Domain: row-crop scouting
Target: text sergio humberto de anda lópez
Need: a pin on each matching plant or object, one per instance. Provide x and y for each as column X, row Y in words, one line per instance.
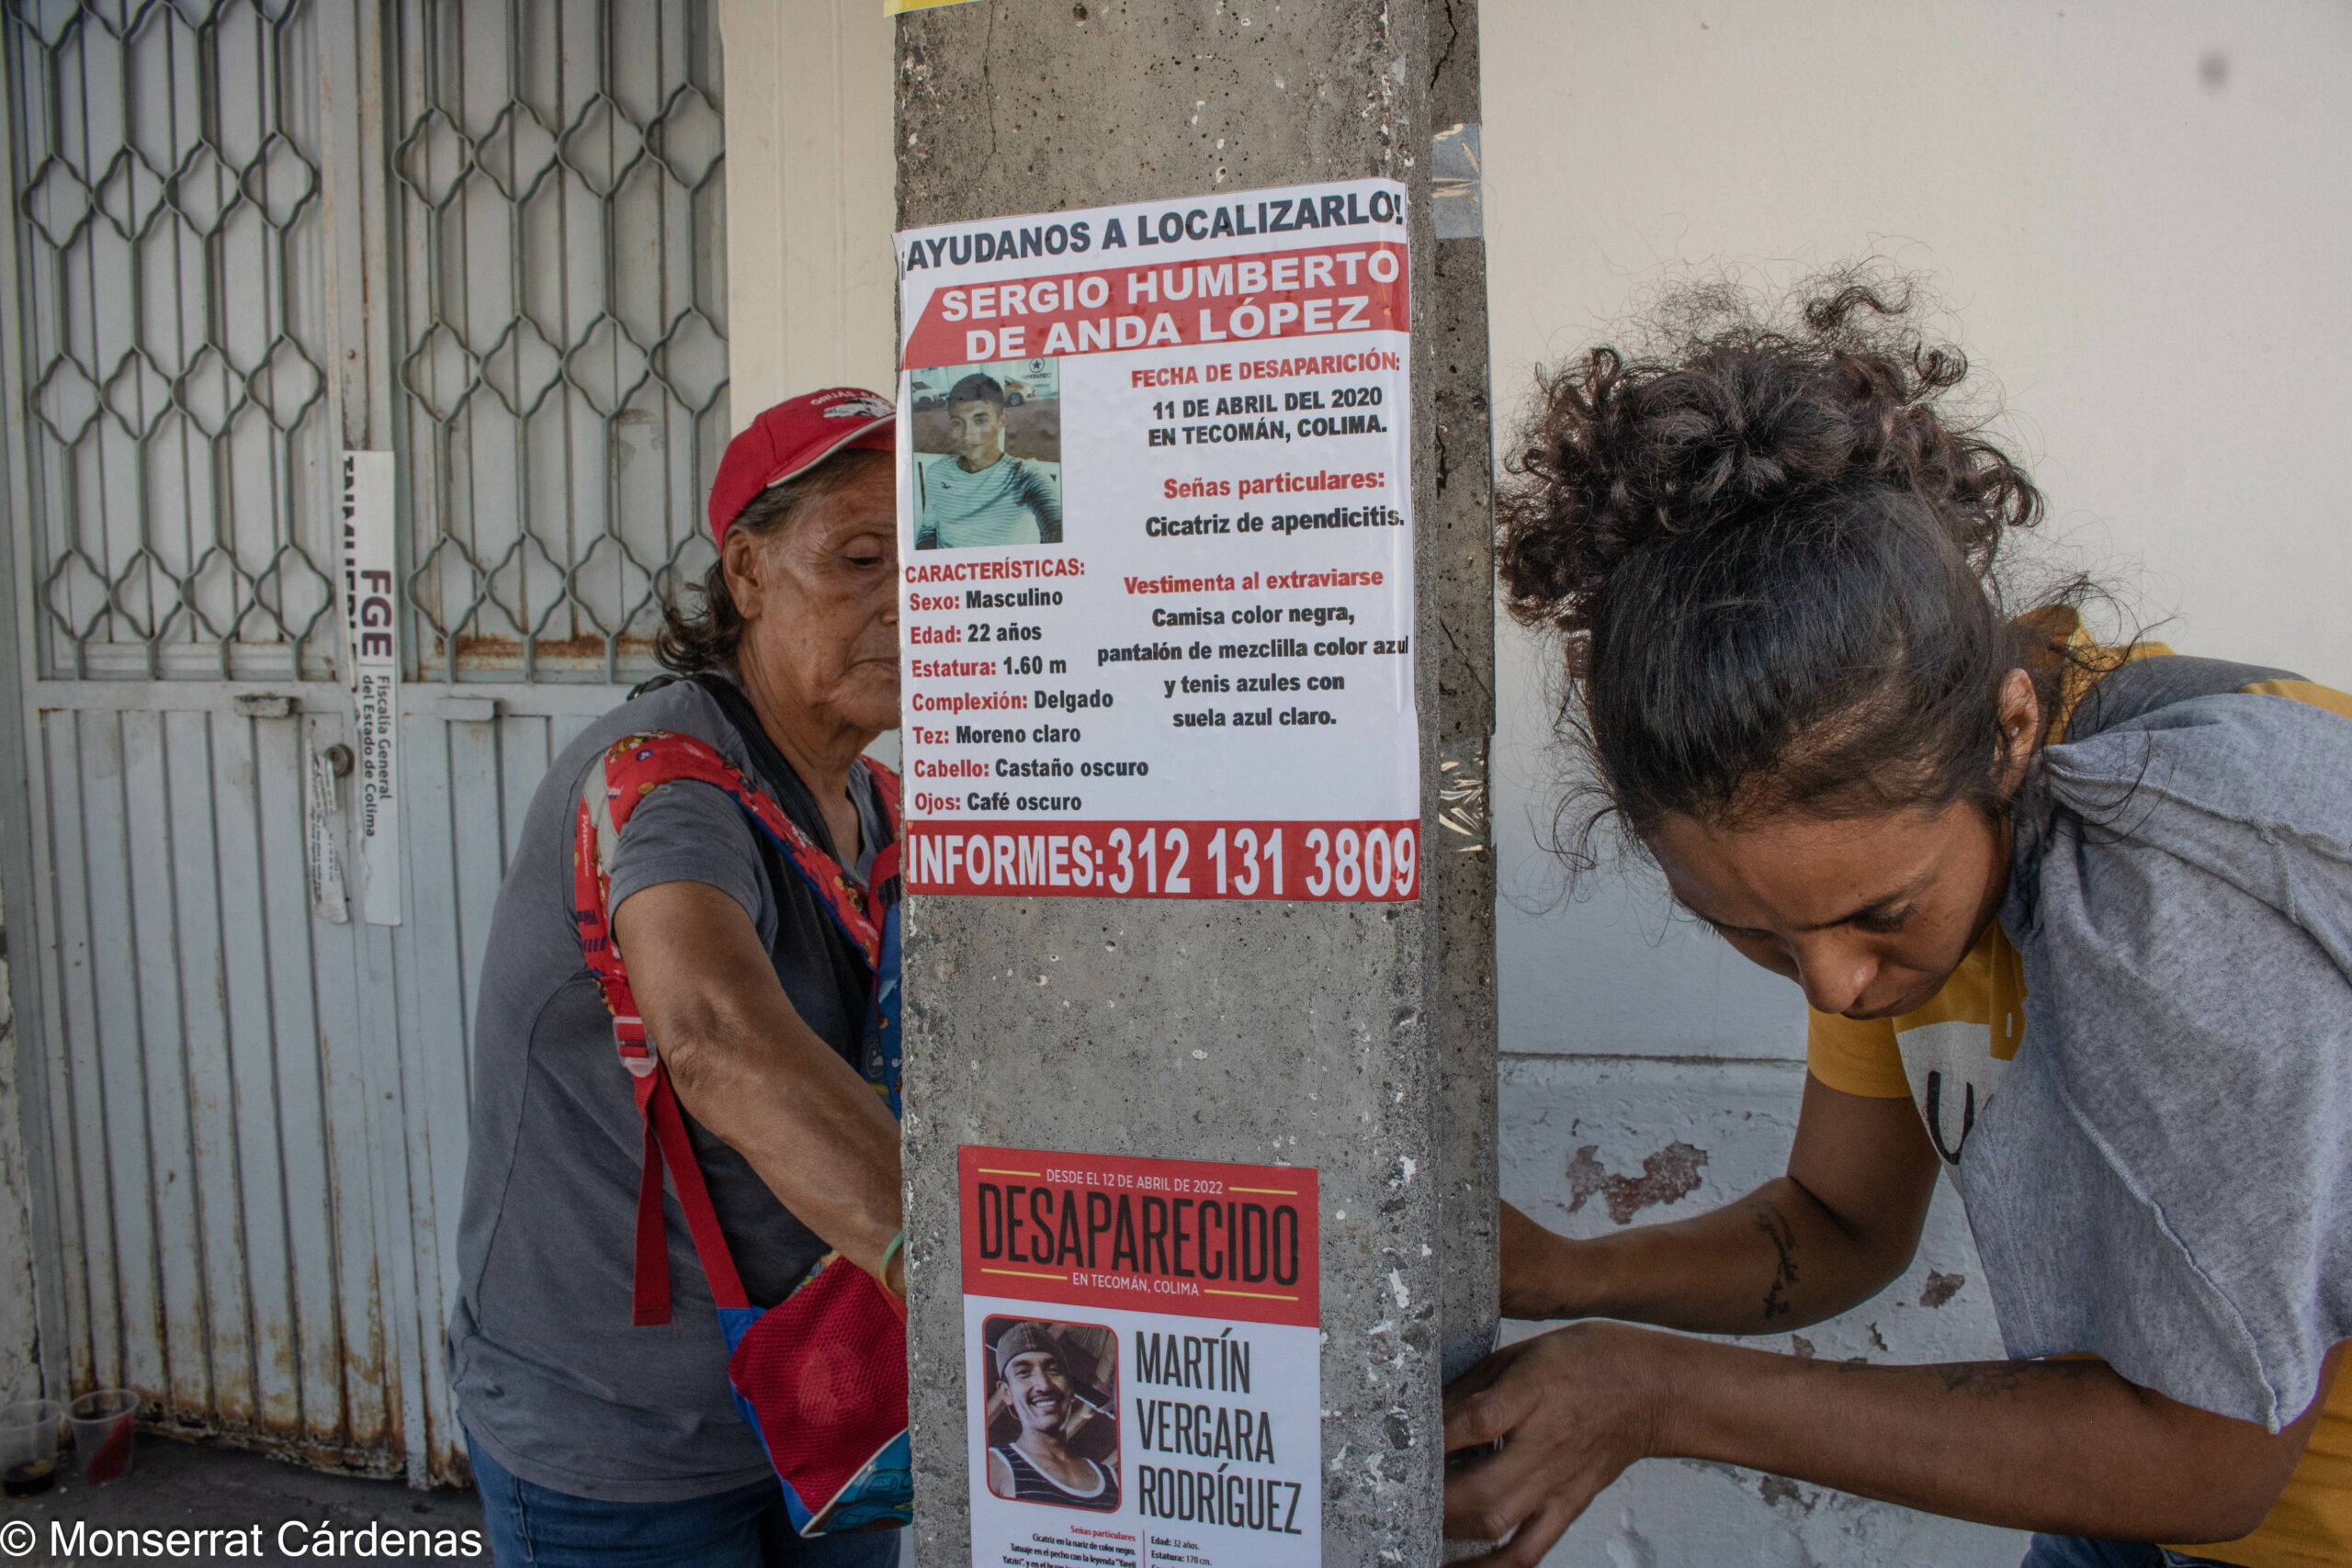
column 1154, row 513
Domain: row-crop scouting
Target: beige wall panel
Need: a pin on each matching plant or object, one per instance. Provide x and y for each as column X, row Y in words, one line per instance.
column 810, row 198
column 2137, row 213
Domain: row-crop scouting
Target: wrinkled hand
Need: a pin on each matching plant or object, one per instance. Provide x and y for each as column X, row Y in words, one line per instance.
column 1572, row 1409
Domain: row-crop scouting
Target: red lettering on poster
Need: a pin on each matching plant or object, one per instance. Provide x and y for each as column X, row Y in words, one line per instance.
column 1188, row 1237
column 1241, row 299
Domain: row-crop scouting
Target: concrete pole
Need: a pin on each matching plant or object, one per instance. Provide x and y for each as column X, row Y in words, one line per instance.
column 1357, row 1038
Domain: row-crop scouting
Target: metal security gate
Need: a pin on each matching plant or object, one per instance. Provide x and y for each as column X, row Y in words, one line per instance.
column 489, row 238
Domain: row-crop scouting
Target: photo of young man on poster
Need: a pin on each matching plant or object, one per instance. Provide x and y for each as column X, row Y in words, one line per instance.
column 1053, row 1428
column 987, row 456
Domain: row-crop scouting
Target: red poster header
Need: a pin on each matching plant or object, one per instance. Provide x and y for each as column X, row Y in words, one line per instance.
column 1346, row 288
column 1184, row 1237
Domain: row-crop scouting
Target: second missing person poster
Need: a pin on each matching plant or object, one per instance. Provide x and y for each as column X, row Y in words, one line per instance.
column 1143, row 1357
column 1157, row 550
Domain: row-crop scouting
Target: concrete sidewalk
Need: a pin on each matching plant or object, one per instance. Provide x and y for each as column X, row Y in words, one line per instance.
column 191, row 1486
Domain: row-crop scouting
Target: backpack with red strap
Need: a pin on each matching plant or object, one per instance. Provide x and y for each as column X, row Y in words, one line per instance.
column 822, row 1376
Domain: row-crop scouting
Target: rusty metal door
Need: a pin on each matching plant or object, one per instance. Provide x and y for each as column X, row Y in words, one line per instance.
column 247, row 236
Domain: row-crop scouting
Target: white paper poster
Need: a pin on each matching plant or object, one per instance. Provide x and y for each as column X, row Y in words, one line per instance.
column 371, row 642
column 1143, row 1342
column 1157, row 548
column 321, row 807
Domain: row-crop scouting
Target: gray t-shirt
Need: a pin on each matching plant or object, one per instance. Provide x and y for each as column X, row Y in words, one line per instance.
column 1011, row 502
column 2165, row 1178
column 550, row 1376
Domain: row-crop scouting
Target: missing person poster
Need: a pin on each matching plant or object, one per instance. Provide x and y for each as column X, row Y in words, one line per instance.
column 1143, row 1349
column 1155, row 534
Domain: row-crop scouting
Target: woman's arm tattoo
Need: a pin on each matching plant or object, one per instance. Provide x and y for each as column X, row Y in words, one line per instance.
column 1783, row 1237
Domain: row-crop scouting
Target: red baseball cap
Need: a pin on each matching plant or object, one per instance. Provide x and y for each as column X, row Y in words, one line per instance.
column 792, row 438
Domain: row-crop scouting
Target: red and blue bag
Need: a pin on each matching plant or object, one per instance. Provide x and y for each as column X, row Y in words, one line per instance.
column 822, row 1376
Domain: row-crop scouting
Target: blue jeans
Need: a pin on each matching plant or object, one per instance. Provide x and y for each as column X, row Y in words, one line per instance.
column 2080, row 1552
column 747, row 1527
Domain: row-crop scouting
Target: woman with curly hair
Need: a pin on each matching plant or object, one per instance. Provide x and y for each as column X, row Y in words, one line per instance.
column 2074, row 928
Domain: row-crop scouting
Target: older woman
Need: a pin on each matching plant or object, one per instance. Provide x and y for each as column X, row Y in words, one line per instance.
column 595, row 1441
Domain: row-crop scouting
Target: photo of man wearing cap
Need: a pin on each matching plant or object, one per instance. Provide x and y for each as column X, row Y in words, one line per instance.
column 1045, row 1460
column 978, row 493
column 593, row 1439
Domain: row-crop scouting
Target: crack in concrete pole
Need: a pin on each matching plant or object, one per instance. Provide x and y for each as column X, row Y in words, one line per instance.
column 1357, row 1039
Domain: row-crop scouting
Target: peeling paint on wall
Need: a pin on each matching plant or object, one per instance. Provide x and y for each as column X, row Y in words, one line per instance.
column 1941, row 1288
column 1671, row 1173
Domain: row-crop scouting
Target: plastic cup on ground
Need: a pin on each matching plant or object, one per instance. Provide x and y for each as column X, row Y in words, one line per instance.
column 103, row 1425
column 28, row 1447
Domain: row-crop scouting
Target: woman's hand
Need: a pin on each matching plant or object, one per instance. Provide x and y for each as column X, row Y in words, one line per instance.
column 1571, row 1408
column 2066, row 1447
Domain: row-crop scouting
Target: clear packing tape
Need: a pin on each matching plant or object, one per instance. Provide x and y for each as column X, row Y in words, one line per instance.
column 1461, row 797
column 1457, row 199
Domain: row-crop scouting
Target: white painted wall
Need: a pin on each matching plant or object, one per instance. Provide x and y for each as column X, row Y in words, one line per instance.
column 2138, row 215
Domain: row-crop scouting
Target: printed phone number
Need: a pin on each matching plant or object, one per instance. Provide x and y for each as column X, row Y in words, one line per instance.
column 1148, row 859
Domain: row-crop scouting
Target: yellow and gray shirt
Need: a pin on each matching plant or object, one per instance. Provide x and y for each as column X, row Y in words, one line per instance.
column 1951, row 1055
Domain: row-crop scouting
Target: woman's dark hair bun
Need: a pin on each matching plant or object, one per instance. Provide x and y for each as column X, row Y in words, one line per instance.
column 1726, row 417
column 1766, row 541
